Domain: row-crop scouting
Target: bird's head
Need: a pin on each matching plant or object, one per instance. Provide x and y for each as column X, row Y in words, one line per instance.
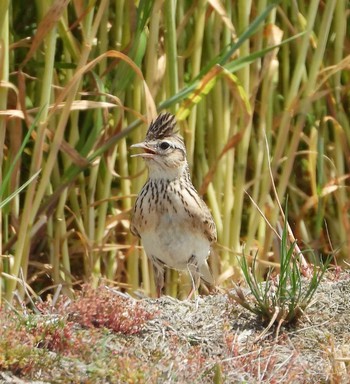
column 163, row 150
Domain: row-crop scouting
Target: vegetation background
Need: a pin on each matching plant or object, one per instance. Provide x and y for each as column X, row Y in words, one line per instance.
column 261, row 93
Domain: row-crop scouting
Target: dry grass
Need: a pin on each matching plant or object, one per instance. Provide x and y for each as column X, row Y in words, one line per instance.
column 207, row 340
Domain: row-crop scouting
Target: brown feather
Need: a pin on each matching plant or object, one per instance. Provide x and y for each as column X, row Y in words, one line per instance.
column 162, row 127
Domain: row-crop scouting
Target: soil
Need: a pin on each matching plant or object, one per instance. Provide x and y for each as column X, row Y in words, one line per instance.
column 209, row 339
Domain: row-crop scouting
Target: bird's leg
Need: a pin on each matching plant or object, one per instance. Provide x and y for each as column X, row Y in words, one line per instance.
column 195, row 285
column 158, row 273
column 159, row 280
column 195, row 277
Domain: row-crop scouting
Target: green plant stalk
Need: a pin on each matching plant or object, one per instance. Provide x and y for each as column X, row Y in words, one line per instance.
column 152, row 49
column 245, row 35
column 54, row 250
column 134, row 257
column 103, row 39
column 310, row 86
column 261, row 170
column 80, row 212
column 102, row 210
column 211, row 49
column 320, row 181
column 111, row 264
column 225, row 128
column 295, row 84
column 265, row 127
column 285, row 71
column 220, row 136
column 170, row 48
column 124, row 155
column 71, row 55
column 95, row 260
column 117, row 28
column 211, row 136
column 124, row 75
column 13, row 194
column 137, row 254
column 61, row 241
column 340, row 27
column 340, row 34
column 22, row 245
column 314, row 158
column 267, row 74
column 96, row 218
column 341, row 195
column 4, row 71
column 6, row 266
column 10, row 170
column 201, row 163
column 227, row 187
column 195, row 64
column 122, row 39
column 17, row 191
column 69, row 42
column 4, row 74
column 232, row 67
column 242, row 151
column 228, row 203
column 172, row 285
column 90, row 33
column 203, row 170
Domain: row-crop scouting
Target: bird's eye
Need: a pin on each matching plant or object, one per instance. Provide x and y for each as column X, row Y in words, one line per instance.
column 164, row 145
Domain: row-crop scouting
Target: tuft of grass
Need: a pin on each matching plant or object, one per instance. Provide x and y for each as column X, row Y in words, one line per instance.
column 283, row 297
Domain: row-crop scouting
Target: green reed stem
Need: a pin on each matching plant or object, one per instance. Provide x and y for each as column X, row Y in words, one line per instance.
column 171, row 47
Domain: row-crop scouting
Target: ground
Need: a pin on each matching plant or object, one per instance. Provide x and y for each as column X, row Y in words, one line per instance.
column 109, row 337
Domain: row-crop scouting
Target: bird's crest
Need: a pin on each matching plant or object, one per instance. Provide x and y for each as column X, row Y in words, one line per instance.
column 163, row 126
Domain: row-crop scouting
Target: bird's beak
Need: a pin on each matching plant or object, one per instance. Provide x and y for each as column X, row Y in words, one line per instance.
column 148, row 151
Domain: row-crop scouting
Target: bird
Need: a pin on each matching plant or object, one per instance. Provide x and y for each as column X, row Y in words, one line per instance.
column 175, row 225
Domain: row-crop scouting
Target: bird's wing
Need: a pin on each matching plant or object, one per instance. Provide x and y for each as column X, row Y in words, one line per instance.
column 133, row 229
column 200, row 214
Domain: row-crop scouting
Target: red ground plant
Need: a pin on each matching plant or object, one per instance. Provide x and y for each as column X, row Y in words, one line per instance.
column 105, row 308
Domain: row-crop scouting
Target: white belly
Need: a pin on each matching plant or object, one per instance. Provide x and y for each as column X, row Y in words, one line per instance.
column 174, row 242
